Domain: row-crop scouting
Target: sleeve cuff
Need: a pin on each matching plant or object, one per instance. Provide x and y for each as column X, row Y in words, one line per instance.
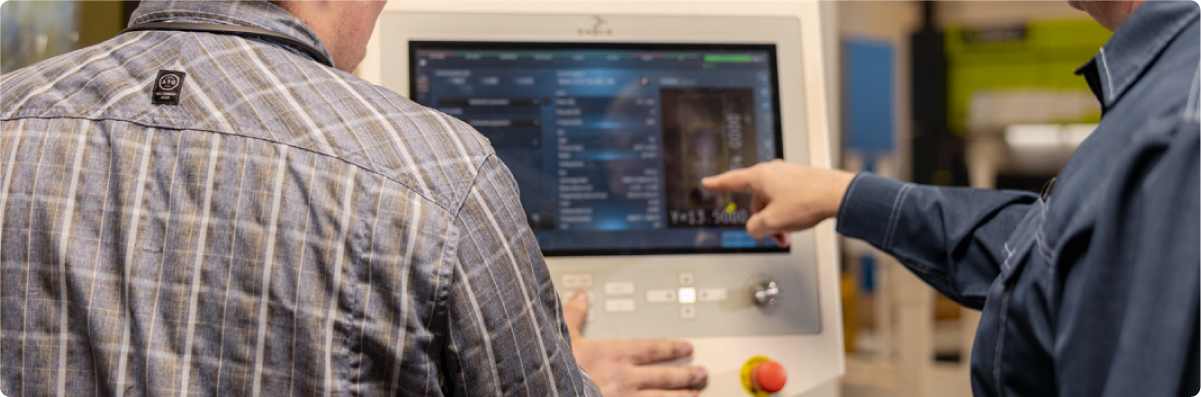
column 870, row 208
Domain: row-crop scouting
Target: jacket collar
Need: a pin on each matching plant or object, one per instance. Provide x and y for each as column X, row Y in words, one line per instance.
column 256, row 14
column 1134, row 46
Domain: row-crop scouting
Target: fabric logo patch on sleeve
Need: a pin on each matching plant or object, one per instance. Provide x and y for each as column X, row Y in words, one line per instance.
column 167, row 86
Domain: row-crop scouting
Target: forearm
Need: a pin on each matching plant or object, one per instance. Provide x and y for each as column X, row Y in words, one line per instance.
column 953, row 238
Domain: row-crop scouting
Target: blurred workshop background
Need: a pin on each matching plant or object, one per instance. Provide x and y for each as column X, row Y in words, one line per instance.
column 966, row 93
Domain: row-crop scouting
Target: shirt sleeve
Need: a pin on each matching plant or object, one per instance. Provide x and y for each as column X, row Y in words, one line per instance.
column 951, row 237
column 505, row 323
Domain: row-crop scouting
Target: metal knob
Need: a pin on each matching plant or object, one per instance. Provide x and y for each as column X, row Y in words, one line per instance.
column 765, row 293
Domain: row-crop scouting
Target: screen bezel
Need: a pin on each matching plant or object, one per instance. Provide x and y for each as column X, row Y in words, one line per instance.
column 773, row 72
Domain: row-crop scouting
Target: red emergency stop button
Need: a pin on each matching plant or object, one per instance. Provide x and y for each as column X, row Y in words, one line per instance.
column 769, row 376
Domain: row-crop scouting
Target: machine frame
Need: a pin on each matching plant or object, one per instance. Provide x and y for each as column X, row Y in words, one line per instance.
column 813, row 361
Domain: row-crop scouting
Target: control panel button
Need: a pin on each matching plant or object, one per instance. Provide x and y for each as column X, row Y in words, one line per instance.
column 712, row 294
column 769, row 376
column 687, row 295
column 685, row 278
column 687, row 311
column 576, row 281
column 619, row 305
column 660, row 295
column 619, row 288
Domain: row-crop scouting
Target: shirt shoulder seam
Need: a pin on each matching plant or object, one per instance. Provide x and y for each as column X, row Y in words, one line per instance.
column 229, row 134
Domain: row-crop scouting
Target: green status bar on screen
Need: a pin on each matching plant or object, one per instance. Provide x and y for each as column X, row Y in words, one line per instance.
column 740, row 58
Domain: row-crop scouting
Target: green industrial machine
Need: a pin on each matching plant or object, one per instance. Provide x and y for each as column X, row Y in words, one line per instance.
column 1037, row 57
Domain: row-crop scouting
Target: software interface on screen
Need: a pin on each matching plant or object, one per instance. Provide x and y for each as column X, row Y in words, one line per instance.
column 609, row 142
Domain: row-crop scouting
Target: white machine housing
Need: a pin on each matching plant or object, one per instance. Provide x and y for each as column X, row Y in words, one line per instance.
column 813, row 359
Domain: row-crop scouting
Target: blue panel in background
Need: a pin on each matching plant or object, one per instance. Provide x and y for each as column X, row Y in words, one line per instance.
column 868, row 97
column 867, row 273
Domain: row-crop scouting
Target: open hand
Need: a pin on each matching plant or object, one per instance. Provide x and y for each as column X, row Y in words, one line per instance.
column 620, row 368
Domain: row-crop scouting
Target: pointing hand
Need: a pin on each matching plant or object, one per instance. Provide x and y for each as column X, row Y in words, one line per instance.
column 787, row 197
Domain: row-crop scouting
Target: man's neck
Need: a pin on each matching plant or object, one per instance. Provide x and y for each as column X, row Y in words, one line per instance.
column 1109, row 14
column 343, row 26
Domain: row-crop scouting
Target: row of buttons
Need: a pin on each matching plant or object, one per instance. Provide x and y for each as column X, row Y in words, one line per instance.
column 627, row 305
column 584, row 280
column 686, row 294
column 623, row 288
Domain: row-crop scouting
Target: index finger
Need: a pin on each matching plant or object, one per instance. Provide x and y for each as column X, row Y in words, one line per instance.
column 652, row 351
column 739, row 179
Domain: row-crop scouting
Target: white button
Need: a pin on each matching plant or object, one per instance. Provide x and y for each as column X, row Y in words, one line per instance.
column 619, row 305
column 685, row 278
column 687, row 295
column 577, row 280
column 687, row 311
column 711, row 294
column 660, row 295
column 619, row 288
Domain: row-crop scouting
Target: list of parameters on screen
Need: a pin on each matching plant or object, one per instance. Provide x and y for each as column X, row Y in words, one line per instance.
column 608, row 161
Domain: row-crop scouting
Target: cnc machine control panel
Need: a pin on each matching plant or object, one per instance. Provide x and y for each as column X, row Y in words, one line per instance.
column 608, row 143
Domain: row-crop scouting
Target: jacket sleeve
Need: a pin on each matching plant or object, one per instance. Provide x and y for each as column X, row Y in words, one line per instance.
column 951, row 237
column 505, row 323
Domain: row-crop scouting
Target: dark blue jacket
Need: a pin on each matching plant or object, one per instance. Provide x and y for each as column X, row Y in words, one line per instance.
column 1092, row 290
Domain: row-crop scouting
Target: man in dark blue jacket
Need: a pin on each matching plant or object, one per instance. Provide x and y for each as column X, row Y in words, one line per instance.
column 1088, row 290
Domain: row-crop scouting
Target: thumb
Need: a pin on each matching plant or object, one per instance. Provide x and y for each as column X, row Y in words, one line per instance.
column 737, row 180
column 575, row 311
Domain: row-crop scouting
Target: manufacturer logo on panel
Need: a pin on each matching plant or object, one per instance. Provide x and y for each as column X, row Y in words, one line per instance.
column 599, row 28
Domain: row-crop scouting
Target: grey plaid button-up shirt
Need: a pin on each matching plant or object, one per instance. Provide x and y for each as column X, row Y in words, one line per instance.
column 286, row 229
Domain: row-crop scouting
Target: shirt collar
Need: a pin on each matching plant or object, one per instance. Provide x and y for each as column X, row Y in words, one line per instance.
column 256, row 14
column 1134, row 46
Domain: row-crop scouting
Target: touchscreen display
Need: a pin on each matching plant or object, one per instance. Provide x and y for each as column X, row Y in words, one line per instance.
column 609, row 142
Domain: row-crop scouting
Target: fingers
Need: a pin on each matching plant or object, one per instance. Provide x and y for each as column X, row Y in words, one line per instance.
column 652, row 351
column 666, row 393
column 575, row 310
column 765, row 223
column 671, row 377
column 737, row 180
column 781, row 239
column 757, row 203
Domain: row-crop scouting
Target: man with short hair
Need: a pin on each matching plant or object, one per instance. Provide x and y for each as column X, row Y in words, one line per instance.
column 1089, row 290
column 212, row 204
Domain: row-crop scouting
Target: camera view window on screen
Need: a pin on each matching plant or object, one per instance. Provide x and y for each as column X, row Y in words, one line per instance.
column 609, row 142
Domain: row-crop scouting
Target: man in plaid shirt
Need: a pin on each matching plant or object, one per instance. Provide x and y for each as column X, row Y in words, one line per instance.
column 203, row 212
